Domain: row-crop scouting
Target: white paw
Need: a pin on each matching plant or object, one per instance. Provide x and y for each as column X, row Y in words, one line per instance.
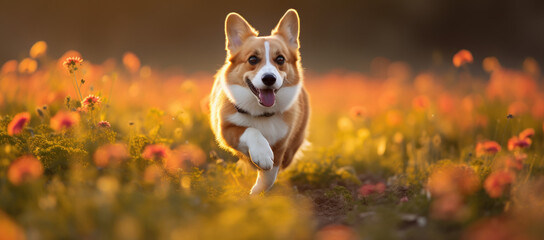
column 265, row 180
column 262, row 156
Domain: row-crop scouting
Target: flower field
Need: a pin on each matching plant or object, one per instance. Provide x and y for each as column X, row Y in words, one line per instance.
column 120, row 150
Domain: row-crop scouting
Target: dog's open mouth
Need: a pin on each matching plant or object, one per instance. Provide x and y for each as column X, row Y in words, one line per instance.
column 267, row 97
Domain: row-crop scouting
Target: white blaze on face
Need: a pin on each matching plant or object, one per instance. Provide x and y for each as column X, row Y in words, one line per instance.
column 268, row 68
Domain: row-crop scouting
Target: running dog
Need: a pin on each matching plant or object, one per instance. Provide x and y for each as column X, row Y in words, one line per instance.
column 259, row 107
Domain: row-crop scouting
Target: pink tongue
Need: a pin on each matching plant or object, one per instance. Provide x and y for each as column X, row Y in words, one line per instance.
column 267, row 97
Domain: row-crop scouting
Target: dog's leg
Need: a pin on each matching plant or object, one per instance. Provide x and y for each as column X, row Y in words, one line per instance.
column 265, row 180
column 256, row 146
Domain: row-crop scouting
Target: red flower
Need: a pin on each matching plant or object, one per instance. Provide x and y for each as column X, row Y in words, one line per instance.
column 90, row 101
column 155, row 152
column 25, row 168
column 104, row 124
column 462, row 57
column 496, row 183
column 516, row 142
column 369, row 189
column 64, row 120
column 487, row 147
column 18, row 123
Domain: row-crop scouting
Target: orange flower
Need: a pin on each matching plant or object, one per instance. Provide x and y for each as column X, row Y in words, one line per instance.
column 23, row 169
column 131, row 62
column 71, row 63
column 111, row 154
column 358, row 112
column 462, row 57
column 369, row 189
column 393, row 118
column 155, row 152
column 64, row 120
column 515, row 142
column 28, row 65
column 9, row 228
column 527, row 133
column 421, row 103
column 497, row 228
column 184, row 156
column 336, row 232
column 18, row 123
column 90, row 101
column 38, row 49
column 152, row 174
column 487, row 147
column 491, row 64
column 9, row 67
column 516, row 162
column 450, row 206
column 453, row 179
column 496, row 183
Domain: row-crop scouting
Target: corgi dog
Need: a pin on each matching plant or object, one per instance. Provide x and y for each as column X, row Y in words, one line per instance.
column 259, row 108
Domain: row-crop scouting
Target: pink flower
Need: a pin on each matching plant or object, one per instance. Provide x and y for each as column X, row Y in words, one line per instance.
column 90, row 101
column 104, row 124
column 72, row 62
column 64, row 120
column 369, row 189
column 155, row 152
column 18, row 123
column 25, row 168
column 487, row 147
column 404, row 199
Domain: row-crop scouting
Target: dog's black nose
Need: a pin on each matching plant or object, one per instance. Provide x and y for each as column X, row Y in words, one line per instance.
column 269, row 79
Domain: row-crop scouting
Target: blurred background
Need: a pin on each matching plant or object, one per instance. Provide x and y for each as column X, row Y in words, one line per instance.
column 188, row 34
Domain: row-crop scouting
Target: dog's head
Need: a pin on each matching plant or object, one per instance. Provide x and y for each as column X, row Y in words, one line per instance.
column 262, row 73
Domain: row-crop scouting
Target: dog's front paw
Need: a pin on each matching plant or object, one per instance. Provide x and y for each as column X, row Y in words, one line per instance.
column 262, row 156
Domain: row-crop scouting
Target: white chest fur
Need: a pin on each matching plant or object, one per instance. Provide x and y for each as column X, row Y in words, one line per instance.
column 272, row 128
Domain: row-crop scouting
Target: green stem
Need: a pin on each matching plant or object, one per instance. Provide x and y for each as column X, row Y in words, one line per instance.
column 77, row 88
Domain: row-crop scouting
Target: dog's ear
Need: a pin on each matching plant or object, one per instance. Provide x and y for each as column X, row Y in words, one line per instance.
column 237, row 29
column 288, row 28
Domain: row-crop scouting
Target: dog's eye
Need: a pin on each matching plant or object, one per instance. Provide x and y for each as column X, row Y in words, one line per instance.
column 253, row 60
column 280, row 60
